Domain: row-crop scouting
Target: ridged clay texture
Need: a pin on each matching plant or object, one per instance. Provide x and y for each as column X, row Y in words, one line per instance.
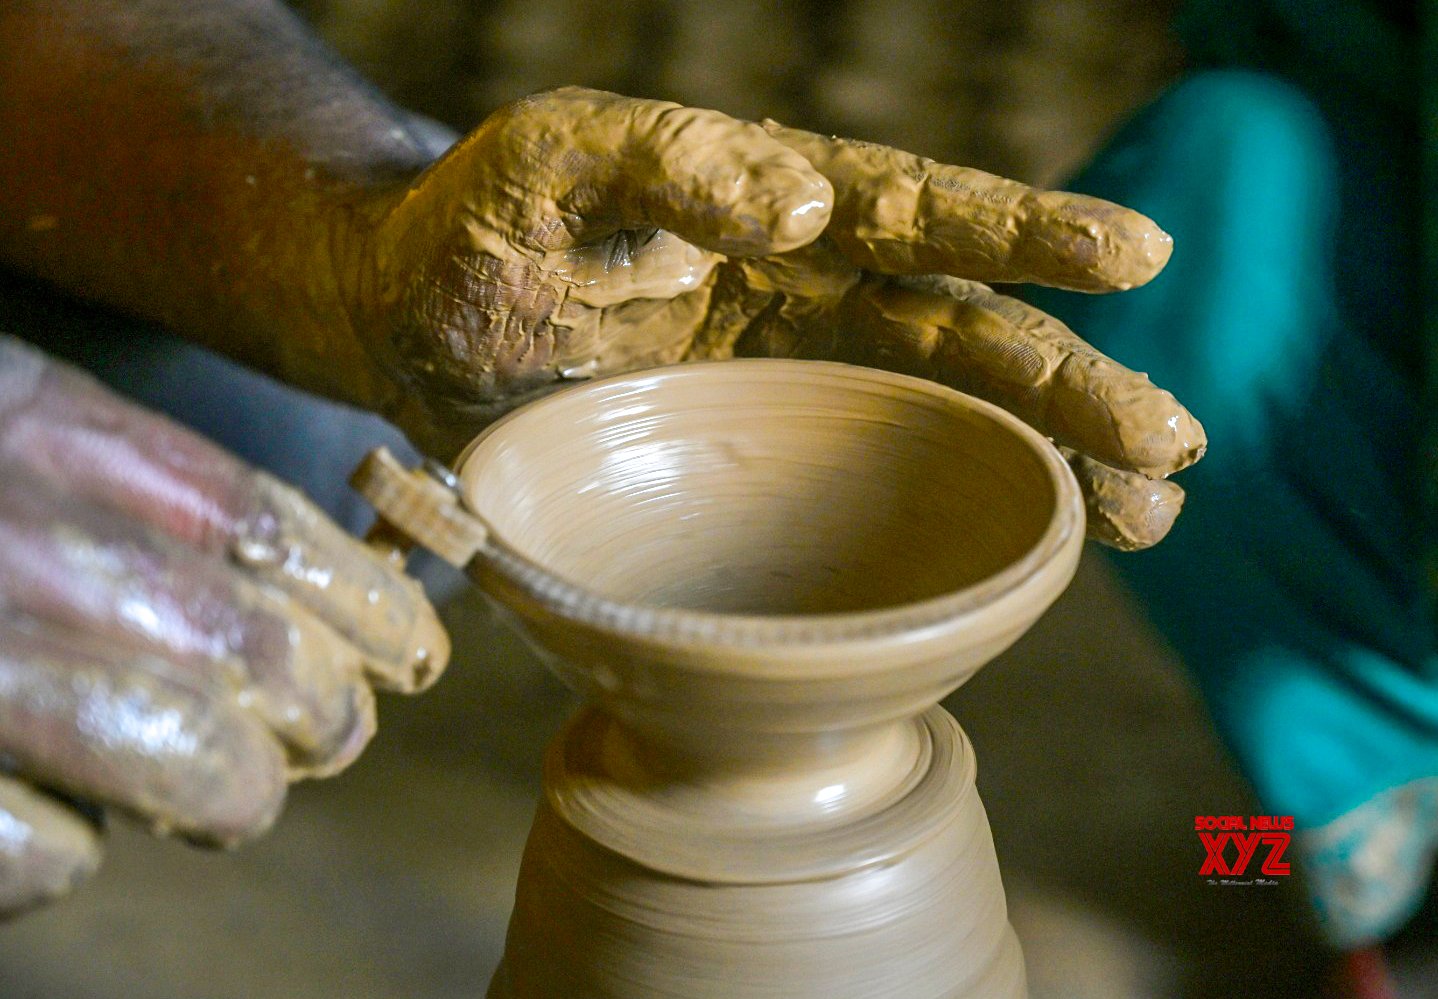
column 765, row 574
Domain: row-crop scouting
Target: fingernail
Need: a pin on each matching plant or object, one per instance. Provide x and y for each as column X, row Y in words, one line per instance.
column 1155, row 246
column 1165, row 446
column 325, row 712
column 1131, row 522
column 1143, row 251
column 801, row 216
column 1167, row 505
column 348, row 739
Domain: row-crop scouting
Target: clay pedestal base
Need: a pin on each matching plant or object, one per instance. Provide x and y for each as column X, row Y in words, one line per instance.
column 898, row 899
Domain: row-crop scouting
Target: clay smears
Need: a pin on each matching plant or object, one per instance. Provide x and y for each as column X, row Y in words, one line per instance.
column 287, row 542
column 138, row 733
column 76, row 439
column 898, row 213
column 88, row 570
column 1126, row 510
column 45, row 848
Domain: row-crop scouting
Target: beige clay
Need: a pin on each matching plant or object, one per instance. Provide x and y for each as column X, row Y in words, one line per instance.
column 575, row 235
column 897, row 213
column 1126, row 510
column 289, row 545
column 45, row 847
column 764, row 575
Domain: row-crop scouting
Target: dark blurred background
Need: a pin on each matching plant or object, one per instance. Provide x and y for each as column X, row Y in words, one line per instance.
column 1026, row 88
column 395, row 879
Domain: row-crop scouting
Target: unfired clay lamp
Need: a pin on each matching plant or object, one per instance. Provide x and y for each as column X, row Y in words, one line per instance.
column 763, row 575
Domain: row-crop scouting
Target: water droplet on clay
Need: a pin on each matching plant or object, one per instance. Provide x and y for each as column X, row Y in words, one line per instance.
column 580, row 371
column 251, row 551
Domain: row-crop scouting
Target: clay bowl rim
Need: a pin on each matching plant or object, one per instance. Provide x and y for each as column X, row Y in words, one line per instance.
column 576, row 603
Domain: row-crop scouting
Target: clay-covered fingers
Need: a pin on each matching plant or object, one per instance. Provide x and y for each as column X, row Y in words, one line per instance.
column 46, row 848
column 572, row 165
column 897, row 213
column 284, row 540
column 61, row 428
column 180, row 636
column 998, row 348
column 111, row 724
column 94, row 572
column 1125, row 510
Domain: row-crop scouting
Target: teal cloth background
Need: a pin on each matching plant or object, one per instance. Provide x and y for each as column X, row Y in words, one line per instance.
column 1292, row 583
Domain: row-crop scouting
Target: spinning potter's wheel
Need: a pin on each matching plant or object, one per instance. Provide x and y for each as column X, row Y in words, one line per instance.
column 763, row 575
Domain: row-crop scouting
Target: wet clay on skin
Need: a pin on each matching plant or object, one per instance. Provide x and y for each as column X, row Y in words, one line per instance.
column 782, row 566
column 180, row 637
column 61, row 429
column 135, row 731
column 45, row 848
column 84, row 569
column 811, row 303
column 548, row 281
column 897, row 213
column 1126, row 510
column 230, row 181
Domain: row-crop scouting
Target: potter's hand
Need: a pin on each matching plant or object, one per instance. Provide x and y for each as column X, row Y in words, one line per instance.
column 179, row 634
column 579, row 233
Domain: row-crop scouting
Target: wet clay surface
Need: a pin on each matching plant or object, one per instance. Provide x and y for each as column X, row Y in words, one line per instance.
column 931, row 923
column 180, row 636
column 45, row 848
column 783, row 565
column 709, row 489
column 725, row 545
column 61, row 429
column 574, row 233
column 542, row 285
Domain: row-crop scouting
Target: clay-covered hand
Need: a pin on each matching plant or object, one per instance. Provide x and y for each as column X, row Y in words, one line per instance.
column 180, row 635
column 578, row 233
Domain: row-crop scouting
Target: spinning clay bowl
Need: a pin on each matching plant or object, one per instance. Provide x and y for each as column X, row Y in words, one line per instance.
column 734, row 556
column 764, row 575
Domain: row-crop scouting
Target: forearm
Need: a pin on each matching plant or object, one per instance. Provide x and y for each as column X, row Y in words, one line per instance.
column 198, row 163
